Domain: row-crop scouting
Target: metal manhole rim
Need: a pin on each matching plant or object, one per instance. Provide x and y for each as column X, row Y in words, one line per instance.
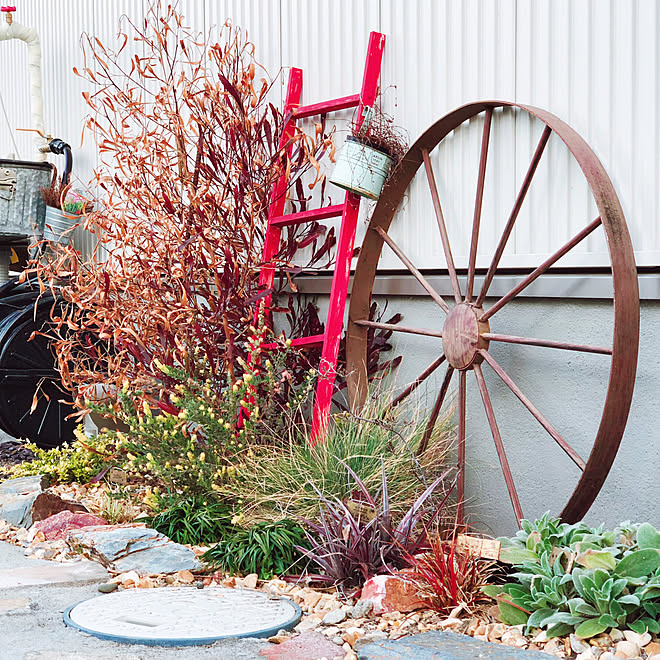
column 185, row 641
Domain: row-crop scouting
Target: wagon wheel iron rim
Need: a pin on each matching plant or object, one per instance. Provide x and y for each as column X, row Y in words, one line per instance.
column 468, row 318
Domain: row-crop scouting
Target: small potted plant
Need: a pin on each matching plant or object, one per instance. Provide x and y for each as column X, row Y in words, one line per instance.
column 64, row 208
column 369, row 154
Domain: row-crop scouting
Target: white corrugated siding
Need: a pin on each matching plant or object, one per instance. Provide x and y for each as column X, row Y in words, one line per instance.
column 591, row 62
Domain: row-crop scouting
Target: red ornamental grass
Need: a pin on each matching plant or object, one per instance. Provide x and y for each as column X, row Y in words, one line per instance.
column 449, row 576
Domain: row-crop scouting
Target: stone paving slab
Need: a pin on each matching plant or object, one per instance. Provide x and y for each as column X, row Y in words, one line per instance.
column 439, row 645
column 25, row 571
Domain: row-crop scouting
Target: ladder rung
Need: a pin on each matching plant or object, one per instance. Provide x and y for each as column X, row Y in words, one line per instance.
column 307, row 216
column 299, row 342
column 327, row 106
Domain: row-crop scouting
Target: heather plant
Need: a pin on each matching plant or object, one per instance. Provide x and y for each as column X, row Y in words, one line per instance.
column 190, row 149
column 573, row 578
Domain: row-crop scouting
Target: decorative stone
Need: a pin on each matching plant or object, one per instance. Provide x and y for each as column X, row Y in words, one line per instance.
column 601, row 641
column 589, row 654
column 389, row 593
column 626, row 649
column 640, row 640
column 334, row 617
column 652, row 649
column 439, row 645
column 108, row 587
column 308, row 646
column 369, row 638
column 23, row 509
column 139, row 549
column 361, row 609
column 57, row 526
column 24, row 485
column 250, row 581
column 311, row 599
column 307, row 624
column 185, row 576
column 578, row 645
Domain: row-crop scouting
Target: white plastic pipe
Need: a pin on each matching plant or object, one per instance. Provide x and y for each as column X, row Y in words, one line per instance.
column 15, row 30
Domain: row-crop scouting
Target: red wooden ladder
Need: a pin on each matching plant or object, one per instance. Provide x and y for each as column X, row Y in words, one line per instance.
column 349, row 215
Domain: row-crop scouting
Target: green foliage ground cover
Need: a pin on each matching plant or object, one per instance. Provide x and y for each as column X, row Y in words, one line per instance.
column 575, row 578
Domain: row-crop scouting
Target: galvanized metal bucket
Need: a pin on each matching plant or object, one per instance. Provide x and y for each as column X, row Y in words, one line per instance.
column 57, row 225
column 22, row 209
column 361, row 169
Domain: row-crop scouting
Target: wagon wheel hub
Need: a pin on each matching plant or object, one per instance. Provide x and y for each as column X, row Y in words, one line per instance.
column 461, row 336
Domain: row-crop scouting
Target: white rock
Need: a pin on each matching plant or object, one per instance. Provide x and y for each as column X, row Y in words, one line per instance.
column 578, row 645
column 627, row 649
column 586, row 655
column 334, row 617
column 640, row 640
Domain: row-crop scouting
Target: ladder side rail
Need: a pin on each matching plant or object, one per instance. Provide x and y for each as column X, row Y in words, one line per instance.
column 279, row 194
column 339, row 290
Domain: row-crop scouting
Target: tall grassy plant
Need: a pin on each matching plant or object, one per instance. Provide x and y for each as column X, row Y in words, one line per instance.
column 289, row 477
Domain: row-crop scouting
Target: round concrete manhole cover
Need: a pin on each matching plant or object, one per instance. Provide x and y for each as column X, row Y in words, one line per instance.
column 182, row 616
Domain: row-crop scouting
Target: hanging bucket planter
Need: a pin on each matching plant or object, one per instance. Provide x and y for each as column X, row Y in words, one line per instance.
column 57, row 225
column 361, row 169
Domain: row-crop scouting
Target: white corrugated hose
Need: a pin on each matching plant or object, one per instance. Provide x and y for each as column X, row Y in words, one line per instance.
column 13, row 30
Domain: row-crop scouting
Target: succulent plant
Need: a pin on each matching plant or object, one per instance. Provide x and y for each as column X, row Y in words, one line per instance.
column 573, row 578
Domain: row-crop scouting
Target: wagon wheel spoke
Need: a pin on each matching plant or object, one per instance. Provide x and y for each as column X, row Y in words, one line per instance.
column 398, row 328
column 531, row 170
column 460, row 483
column 419, row 380
column 436, row 411
column 547, row 343
column 437, row 207
column 410, row 266
column 542, row 268
column 476, row 221
column 499, row 446
column 554, row 434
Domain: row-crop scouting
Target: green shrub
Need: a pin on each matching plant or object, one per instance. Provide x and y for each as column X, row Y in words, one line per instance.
column 266, row 548
column 195, row 520
column 194, row 441
column 80, row 461
column 574, row 578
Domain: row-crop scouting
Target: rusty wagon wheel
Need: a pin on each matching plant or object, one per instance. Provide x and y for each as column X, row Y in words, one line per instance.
column 471, row 329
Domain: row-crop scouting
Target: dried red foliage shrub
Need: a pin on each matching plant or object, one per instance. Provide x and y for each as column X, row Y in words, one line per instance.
column 189, row 147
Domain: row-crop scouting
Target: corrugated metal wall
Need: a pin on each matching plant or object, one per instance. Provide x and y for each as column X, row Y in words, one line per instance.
column 591, row 62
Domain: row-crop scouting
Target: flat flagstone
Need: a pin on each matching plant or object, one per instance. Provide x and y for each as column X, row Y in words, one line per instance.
column 182, row 616
column 440, row 645
column 26, row 571
column 140, row 549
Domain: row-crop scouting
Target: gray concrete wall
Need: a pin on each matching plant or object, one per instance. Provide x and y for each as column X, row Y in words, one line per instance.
column 569, row 389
